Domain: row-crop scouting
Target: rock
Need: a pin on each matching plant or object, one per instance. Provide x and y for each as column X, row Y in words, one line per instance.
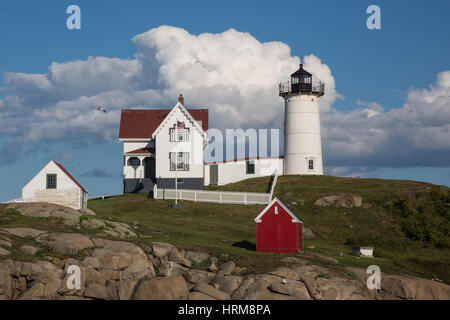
column 170, row 288
column 24, row 232
column 92, row 223
column 87, row 211
column 96, row 291
column 291, row 288
column 211, row 291
column 286, row 273
column 339, row 201
column 66, row 243
column 198, row 296
column 227, row 268
column 213, row 265
column 197, row 257
column 4, row 252
column 120, row 260
column 170, row 268
column 92, row 262
column 227, row 284
column 36, row 291
column 407, row 287
column 256, row 288
column 197, row 276
column 31, row 250
column 70, row 219
column 5, row 242
column 119, row 229
column 178, row 256
column 307, row 233
column 125, row 289
column 161, row 249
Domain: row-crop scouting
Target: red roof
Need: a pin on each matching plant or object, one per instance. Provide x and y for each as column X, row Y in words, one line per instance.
column 142, row 123
column 141, row 151
column 70, row 176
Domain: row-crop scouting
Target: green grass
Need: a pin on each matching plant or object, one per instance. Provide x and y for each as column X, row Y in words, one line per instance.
column 218, row 229
column 215, row 228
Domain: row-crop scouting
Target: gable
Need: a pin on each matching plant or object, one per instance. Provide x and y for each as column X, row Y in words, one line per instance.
column 277, row 201
column 55, row 168
column 179, row 108
column 141, row 124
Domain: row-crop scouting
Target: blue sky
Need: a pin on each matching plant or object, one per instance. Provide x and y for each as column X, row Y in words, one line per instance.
column 379, row 66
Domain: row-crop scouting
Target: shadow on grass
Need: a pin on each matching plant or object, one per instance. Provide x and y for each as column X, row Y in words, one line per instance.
column 245, row 245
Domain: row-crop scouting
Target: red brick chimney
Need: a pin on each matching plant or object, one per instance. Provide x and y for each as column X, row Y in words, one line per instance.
column 181, row 99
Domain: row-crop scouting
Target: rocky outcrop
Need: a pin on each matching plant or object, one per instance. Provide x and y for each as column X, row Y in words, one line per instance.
column 120, row 270
column 406, row 287
column 339, row 201
column 74, row 218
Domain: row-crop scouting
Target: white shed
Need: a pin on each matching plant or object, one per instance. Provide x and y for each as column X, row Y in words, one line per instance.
column 54, row 184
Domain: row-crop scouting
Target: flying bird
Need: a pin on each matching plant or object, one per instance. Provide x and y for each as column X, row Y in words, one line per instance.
column 101, row 109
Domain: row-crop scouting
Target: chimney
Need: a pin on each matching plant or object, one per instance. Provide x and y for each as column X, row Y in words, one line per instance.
column 181, row 99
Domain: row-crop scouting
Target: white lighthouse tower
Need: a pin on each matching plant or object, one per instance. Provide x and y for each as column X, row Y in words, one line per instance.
column 302, row 142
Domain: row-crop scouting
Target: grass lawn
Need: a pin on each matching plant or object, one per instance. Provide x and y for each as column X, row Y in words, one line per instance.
column 223, row 230
column 228, row 231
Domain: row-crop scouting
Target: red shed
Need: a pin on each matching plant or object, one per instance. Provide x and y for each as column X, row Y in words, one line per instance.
column 278, row 229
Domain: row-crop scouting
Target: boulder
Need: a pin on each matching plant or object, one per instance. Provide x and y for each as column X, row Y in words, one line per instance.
column 291, row 288
column 170, row 288
column 213, row 265
column 24, row 232
column 308, row 234
column 5, row 242
column 125, row 289
column 96, row 291
column 198, row 296
column 170, row 268
column 227, row 284
column 31, row 250
column 339, row 201
column 197, row 257
column 92, row 223
column 211, row 291
column 197, row 276
column 227, row 268
column 286, row 273
column 4, row 252
column 66, row 243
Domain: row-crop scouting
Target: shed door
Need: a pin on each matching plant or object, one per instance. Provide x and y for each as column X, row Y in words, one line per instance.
column 213, row 174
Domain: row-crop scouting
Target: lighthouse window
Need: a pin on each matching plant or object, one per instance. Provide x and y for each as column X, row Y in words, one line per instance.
column 311, row 165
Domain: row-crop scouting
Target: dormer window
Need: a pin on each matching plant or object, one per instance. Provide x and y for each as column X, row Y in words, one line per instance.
column 179, row 132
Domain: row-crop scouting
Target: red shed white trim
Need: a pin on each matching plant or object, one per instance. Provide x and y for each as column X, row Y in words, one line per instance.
column 278, row 229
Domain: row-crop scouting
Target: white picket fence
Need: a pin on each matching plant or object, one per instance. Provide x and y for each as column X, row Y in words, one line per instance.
column 217, row 196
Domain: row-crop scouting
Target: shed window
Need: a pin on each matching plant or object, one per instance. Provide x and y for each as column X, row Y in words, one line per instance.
column 250, row 167
column 311, row 165
column 51, row 181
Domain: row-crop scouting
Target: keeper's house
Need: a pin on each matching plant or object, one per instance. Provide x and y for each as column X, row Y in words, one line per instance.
column 161, row 145
column 54, row 184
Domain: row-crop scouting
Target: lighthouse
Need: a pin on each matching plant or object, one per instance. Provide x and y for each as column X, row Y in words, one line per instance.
column 302, row 142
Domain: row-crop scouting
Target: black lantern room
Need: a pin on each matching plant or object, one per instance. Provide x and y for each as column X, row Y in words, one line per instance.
column 301, row 82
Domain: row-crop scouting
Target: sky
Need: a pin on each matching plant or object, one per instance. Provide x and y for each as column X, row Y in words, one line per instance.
column 386, row 112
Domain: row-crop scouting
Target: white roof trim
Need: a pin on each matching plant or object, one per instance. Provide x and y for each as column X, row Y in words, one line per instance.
column 187, row 115
column 294, row 217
